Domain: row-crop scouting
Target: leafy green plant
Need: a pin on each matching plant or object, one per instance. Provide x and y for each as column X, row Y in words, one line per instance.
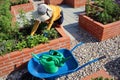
column 20, row 45
column 16, row 2
column 5, row 16
column 104, row 11
column 7, row 46
column 51, row 34
column 23, row 17
column 7, row 30
column 101, row 78
column 14, row 38
column 36, row 39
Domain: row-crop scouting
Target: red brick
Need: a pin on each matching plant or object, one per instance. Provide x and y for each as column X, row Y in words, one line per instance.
column 4, row 65
column 27, row 50
column 2, row 74
column 54, row 2
column 18, row 58
column 2, row 68
column 26, row 7
column 26, row 59
column 4, row 58
column 30, row 56
column 14, row 54
column 45, row 49
column 68, row 47
column 75, row 3
column 55, row 47
column 61, row 31
column 98, row 30
column 53, row 42
column 7, row 70
column 18, row 65
column 63, row 39
column 25, row 55
column 39, row 47
column 38, row 51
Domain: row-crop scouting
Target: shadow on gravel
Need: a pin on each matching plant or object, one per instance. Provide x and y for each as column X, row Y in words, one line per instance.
column 28, row 76
column 74, row 29
column 21, row 73
column 113, row 67
column 79, row 34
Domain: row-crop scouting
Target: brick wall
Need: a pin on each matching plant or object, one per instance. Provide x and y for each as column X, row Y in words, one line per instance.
column 98, row 30
column 26, row 7
column 54, row 2
column 75, row 3
column 72, row 3
column 18, row 59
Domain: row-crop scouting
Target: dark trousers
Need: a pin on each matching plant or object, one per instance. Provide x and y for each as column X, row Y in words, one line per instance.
column 60, row 20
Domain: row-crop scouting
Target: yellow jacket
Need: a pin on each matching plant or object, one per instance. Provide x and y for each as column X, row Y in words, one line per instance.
column 56, row 15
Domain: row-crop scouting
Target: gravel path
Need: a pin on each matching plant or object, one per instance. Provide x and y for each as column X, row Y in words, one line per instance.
column 91, row 50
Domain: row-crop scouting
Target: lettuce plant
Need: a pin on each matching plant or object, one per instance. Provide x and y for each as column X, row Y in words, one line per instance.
column 104, row 11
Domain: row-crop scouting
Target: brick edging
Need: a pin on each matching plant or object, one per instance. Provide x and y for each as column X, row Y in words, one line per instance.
column 14, row 60
column 26, row 7
column 98, row 30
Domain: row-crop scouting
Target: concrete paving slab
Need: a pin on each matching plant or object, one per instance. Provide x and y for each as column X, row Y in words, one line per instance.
column 70, row 23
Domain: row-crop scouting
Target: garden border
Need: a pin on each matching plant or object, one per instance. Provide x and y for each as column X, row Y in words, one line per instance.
column 15, row 60
column 98, row 30
column 75, row 3
column 72, row 3
column 26, row 7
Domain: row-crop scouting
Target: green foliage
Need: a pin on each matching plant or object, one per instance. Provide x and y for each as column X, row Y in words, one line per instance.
column 16, row 2
column 7, row 30
column 51, row 34
column 5, row 16
column 87, row 7
column 7, row 46
column 36, row 39
column 106, row 11
column 22, row 15
column 20, row 45
column 104, row 17
column 101, row 78
column 15, row 38
column 23, row 18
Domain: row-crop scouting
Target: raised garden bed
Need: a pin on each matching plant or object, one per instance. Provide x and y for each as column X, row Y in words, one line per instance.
column 75, row 3
column 72, row 3
column 25, row 7
column 99, row 30
column 54, row 2
column 11, row 61
column 101, row 19
column 15, row 60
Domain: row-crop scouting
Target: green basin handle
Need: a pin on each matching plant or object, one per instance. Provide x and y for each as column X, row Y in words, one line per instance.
column 55, row 53
column 35, row 56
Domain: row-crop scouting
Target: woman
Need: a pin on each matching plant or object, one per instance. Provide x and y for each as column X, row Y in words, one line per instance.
column 50, row 14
